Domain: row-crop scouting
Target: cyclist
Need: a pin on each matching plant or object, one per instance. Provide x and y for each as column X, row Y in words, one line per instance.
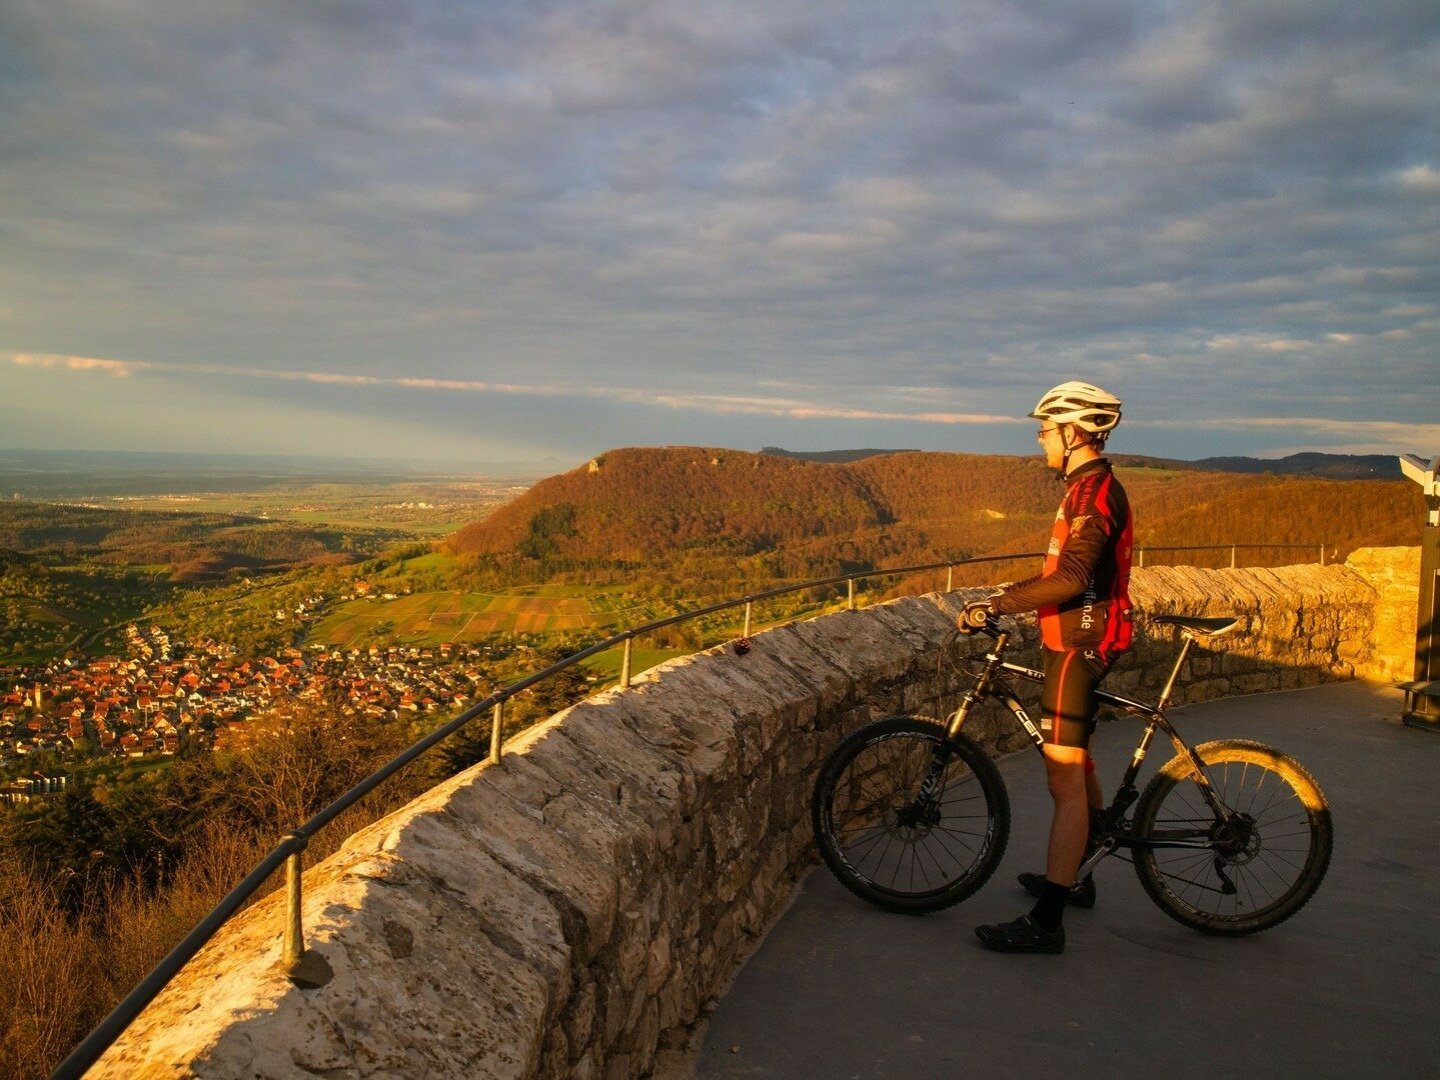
column 1082, row 599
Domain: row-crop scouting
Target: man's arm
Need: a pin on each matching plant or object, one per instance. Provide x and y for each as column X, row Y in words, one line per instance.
column 1078, row 559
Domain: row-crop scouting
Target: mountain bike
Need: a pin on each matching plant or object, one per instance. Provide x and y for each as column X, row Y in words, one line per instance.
column 1229, row 837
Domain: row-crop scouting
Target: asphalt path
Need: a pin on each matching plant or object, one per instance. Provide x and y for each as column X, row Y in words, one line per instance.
column 1349, row 987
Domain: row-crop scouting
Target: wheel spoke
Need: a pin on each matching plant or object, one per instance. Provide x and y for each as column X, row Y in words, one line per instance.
column 1267, row 847
column 887, row 843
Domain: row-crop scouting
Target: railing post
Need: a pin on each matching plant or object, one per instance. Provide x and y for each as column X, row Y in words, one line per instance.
column 949, row 579
column 1140, row 554
column 497, row 724
column 1232, row 556
column 294, row 932
column 850, row 594
column 625, row 664
column 746, row 631
column 306, row 968
column 1322, row 554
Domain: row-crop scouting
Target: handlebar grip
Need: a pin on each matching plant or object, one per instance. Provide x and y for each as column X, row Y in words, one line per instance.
column 975, row 617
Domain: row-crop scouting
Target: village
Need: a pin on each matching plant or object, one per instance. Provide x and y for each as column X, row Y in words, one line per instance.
column 165, row 693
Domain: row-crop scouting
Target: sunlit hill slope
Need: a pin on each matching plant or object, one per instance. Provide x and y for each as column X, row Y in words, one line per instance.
column 732, row 515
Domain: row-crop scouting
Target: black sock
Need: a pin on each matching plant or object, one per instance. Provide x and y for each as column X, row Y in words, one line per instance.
column 1050, row 908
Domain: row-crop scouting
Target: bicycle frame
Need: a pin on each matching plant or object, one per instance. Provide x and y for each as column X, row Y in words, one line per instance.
column 991, row 683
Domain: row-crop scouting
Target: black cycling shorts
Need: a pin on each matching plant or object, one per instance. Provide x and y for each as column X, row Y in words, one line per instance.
column 1068, row 704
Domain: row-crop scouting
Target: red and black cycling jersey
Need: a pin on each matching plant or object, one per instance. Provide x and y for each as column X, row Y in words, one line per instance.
column 1082, row 594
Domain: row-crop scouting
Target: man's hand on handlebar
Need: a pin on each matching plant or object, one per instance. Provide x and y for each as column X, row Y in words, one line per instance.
column 976, row 615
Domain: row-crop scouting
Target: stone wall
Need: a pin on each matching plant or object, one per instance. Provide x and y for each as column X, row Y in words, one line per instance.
column 572, row 911
column 1388, row 655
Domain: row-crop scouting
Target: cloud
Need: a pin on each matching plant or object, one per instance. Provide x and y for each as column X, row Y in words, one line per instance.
column 1422, row 178
column 982, row 199
column 713, row 403
column 1341, row 436
column 119, row 369
column 1259, row 342
column 1371, row 432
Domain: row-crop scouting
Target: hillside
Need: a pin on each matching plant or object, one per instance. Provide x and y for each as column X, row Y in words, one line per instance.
column 1281, row 509
column 708, row 515
column 1329, row 466
column 632, row 505
column 833, row 457
column 71, row 576
column 188, row 545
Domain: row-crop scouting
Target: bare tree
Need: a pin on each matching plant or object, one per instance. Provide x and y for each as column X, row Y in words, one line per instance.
column 290, row 762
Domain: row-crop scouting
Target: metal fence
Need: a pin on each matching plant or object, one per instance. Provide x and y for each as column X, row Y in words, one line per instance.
column 1234, row 548
column 307, row 968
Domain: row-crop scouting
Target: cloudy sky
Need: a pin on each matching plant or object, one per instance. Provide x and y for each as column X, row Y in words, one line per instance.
column 506, row 229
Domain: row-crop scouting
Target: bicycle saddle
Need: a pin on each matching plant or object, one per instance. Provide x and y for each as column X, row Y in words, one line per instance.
column 1199, row 627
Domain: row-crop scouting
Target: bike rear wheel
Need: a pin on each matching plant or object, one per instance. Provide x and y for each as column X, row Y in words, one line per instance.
column 1262, row 865
column 895, row 840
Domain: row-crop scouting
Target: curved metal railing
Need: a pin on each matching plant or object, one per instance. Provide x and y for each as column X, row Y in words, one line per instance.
column 305, row 967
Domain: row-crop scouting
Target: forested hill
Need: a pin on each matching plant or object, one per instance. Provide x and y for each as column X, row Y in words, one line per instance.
column 632, row 504
column 1329, row 466
column 1326, row 466
column 834, row 457
column 700, row 516
column 695, row 511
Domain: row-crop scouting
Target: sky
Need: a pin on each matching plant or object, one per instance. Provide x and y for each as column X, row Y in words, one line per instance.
column 438, row 229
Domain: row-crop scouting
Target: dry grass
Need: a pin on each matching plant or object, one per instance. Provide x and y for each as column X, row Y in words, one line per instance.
column 46, row 995
column 62, row 973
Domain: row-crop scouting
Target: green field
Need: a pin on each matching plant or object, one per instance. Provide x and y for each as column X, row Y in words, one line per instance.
column 428, row 508
column 608, row 663
column 435, row 617
column 432, row 617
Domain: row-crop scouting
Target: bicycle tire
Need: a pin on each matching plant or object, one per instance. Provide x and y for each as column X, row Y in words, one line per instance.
column 1284, row 858
column 869, row 783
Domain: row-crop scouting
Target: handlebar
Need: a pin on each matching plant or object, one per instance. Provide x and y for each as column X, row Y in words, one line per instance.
column 977, row 618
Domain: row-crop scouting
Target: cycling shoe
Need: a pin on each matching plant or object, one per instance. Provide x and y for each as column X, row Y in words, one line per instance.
column 1021, row 935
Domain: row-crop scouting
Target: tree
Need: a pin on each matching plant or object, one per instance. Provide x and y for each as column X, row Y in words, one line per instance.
column 66, row 841
column 471, row 744
column 294, row 760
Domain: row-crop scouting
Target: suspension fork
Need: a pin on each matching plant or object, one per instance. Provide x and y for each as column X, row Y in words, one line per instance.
column 973, row 696
column 984, row 684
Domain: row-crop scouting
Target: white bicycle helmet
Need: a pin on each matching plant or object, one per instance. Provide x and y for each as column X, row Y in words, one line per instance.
column 1087, row 407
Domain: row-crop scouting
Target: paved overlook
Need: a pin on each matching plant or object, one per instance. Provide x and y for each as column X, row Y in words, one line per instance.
column 1346, row 988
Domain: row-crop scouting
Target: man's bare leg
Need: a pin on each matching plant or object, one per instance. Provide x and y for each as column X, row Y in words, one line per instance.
column 1070, row 788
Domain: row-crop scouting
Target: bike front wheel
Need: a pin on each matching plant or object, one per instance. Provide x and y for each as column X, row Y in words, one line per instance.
column 909, row 819
column 1261, row 861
